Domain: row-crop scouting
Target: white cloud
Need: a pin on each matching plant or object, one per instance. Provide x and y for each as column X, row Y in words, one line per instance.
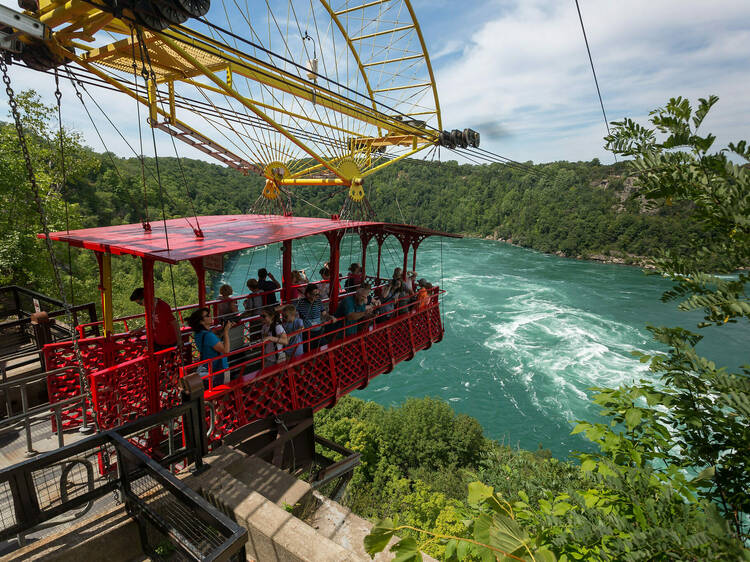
column 526, row 70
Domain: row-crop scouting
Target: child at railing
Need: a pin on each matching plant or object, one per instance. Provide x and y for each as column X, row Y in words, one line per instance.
column 227, row 307
column 273, row 336
column 292, row 326
column 254, row 301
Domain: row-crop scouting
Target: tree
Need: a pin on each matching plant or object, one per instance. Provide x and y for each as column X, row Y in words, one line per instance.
column 698, row 418
column 20, row 250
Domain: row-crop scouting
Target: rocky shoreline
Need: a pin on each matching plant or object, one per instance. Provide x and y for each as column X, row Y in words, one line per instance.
column 643, row 262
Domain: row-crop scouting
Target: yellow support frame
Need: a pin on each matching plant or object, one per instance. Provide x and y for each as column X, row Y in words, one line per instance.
column 127, row 91
column 210, row 88
column 247, row 103
column 355, row 54
column 427, row 62
column 384, row 164
column 84, row 19
column 106, row 290
column 274, row 77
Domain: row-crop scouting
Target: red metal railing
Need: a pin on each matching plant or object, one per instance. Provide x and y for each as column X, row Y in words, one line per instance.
column 317, row 379
column 127, row 384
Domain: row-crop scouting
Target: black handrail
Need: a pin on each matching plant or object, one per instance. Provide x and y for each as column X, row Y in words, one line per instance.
column 39, row 489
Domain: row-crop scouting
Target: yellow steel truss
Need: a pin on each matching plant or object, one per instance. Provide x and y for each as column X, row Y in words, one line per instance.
column 187, row 56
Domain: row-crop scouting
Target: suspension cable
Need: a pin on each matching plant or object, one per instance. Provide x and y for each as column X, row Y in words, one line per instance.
column 147, row 223
column 48, row 241
column 593, row 71
column 101, row 139
column 148, row 73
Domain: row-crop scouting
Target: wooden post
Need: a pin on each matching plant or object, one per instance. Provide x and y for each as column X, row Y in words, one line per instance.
column 105, row 289
column 148, row 301
column 286, row 272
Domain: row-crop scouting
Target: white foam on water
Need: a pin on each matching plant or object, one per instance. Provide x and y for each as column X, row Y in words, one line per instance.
column 557, row 351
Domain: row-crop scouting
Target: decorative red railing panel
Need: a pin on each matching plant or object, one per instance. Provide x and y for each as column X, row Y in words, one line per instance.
column 420, row 329
column 378, row 356
column 97, row 354
column 267, row 396
column 350, row 366
column 227, row 414
column 126, row 347
column 67, row 384
column 121, row 393
column 144, row 385
column 436, row 325
column 400, row 339
column 313, row 382
column 168, row 376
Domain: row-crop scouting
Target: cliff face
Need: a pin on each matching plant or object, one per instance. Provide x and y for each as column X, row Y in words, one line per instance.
column 623, row 188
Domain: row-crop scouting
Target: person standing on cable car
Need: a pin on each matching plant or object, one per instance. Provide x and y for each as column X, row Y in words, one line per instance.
column 310, row 310
column 355, row 309
column 166, row 328
column 227, row 307
column 209, row 345
column 273, row 336
column 267, row 282
column 299, row 278
column 325, row 284
column 354, row 279
column 293, row 325
column 254, row 301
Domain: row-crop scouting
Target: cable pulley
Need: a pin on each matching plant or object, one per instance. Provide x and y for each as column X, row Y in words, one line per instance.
column 158, row 14
column 458, row 139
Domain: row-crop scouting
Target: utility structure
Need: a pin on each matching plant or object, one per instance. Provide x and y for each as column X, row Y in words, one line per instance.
column 326, row 94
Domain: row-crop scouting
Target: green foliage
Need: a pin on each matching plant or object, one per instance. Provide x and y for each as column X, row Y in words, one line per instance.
column 493, row 533
column 427, row 433
column 22, row 254
column 698, row 419
column 611, row 506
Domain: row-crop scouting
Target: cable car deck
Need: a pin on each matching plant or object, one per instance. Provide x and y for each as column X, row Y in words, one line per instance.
column 127, row 380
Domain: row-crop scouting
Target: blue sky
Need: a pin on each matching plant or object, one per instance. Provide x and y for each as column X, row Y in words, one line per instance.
column 517, row 70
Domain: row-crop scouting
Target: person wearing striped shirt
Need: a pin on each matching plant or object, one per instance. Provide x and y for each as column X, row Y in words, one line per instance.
column 311, row 312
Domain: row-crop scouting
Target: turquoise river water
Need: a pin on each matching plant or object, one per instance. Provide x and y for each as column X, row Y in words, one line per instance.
column 526, row 334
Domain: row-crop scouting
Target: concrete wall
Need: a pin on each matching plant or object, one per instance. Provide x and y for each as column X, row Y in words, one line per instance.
column 275, row 534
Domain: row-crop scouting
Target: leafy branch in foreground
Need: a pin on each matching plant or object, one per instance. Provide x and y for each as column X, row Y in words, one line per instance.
column 698, row 419
column 490, row 522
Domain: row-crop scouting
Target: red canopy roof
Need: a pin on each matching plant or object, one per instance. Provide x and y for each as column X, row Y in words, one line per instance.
column 221, row 234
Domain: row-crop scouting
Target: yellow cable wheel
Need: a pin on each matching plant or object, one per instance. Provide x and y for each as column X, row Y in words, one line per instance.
column 275, row 172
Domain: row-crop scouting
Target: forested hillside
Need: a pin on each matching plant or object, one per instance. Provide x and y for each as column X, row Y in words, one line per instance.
column 573, row 208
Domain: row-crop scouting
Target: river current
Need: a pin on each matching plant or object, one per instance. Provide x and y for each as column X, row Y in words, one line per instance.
column 526, row 334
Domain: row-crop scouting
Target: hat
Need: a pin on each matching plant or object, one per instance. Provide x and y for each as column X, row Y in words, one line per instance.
column 422, row 282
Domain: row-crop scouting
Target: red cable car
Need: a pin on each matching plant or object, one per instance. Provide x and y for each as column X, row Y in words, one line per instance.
column 129, row 380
